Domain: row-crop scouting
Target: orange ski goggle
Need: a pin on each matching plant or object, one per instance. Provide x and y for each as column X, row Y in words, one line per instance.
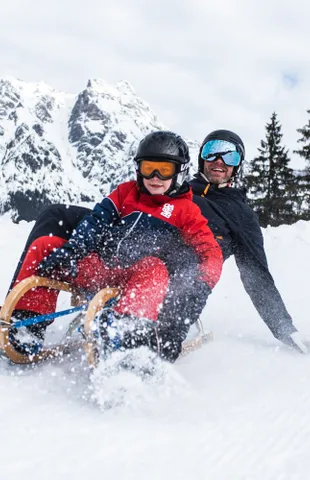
column 164, row 170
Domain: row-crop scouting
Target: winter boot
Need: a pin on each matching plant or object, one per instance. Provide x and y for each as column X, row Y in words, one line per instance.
column 122, row 332
column 27, row 340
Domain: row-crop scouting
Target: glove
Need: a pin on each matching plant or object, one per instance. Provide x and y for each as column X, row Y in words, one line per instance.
column 60, row 264
column 161, row 340
column 297, row 341
column 169, row 342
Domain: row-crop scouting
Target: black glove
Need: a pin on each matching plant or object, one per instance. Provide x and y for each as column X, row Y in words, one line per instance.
column 60, row 264
column 165, row 341
column 169, row 341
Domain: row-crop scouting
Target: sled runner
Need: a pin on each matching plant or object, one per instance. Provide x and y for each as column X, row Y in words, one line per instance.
column 7, row 309
column 85, row 319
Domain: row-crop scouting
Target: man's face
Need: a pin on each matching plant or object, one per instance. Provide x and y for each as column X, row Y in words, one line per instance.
column 217, row 171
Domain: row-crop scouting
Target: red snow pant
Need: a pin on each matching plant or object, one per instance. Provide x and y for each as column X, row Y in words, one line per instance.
column 144, row 285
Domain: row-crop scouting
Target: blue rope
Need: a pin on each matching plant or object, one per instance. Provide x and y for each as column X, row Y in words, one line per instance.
column 49, row 316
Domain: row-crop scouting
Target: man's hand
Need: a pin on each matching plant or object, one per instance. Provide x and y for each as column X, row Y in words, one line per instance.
column 297, row 341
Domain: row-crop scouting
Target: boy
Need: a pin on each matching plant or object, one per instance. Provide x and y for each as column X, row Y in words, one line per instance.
column 146, row 237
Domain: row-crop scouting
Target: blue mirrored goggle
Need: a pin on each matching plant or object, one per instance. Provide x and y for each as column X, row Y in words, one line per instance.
column 220, row 148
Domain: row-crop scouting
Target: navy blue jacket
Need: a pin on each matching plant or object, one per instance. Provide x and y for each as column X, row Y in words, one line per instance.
column 129, row 225
column 236, row 227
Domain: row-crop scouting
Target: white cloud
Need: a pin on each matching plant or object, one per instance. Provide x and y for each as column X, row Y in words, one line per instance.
column 200, row 65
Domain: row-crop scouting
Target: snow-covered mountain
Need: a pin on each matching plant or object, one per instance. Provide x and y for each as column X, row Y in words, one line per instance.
column 59, row 147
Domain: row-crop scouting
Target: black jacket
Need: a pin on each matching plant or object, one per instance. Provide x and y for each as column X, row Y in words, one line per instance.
column 237, row 230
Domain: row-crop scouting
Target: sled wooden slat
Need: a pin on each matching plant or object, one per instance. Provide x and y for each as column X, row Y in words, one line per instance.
column 24, row 359
column 6, row 312
column 96, row 304
column 197, row 342
column 23, row 287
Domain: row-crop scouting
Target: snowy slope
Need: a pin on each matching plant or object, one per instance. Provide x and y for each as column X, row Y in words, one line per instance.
column 236, row 410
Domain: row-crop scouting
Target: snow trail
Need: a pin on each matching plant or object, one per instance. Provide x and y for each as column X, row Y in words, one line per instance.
column 236, row 409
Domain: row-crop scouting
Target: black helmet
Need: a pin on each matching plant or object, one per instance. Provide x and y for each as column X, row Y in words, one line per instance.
column 165, row 145
column 228, row 136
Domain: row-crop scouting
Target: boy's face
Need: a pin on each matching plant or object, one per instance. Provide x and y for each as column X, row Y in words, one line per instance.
column 156, row 186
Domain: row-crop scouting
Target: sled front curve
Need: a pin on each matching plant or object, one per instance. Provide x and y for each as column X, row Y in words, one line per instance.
column 96, row 304
column 5, row 318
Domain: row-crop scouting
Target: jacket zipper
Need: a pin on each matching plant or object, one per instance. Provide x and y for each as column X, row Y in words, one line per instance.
column 128, row 233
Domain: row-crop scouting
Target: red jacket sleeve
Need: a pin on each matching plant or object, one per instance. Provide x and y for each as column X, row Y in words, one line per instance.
column 197, row 234
column 118, row 195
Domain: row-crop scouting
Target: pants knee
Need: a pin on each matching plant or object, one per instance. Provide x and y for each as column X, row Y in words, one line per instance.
column 153, row 264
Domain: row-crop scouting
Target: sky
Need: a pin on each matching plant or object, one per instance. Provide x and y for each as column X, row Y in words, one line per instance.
column 201, row 65
column 237, row 409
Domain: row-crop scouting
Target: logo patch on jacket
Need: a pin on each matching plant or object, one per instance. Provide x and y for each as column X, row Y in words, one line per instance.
column 167, row 210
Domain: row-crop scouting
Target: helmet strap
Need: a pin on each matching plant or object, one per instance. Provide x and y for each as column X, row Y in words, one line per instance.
column 219, row 185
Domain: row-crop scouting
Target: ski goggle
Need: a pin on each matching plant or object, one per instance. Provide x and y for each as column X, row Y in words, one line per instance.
column 220, row 148
column 164, row 170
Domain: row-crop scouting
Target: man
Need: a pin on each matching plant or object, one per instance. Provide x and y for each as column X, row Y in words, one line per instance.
column 236, row 227
column 234, row 224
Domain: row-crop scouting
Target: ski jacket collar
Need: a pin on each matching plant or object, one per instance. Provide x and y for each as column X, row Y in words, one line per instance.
column 218, row 185
column 203, row 187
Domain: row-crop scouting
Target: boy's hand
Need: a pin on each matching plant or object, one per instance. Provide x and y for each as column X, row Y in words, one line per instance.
column 58, row 265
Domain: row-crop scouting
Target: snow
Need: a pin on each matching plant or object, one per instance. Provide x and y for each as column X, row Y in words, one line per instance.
column 236, row 409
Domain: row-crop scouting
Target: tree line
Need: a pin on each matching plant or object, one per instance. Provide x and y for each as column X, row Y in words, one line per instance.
column 278, row 193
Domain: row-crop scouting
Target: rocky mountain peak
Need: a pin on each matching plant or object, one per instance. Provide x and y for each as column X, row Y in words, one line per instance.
column 58, row 147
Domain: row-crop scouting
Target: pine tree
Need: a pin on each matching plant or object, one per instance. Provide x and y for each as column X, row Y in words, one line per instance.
column 305, row 139
column 269, row 179
column 304, row 175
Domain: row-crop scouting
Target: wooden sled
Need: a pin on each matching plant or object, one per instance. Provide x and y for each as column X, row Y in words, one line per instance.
column 88, row 342
column 10, row 302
